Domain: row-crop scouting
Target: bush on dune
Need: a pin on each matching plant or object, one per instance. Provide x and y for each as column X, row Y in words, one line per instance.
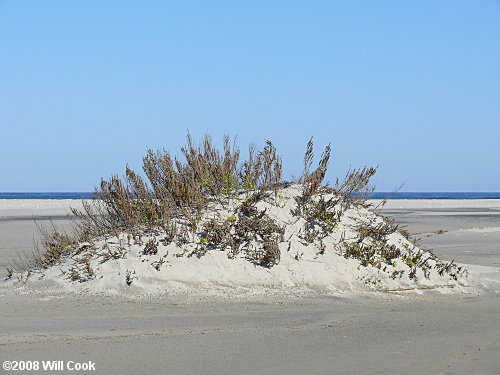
column 173, row 200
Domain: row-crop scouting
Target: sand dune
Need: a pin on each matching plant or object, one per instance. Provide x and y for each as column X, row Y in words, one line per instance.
column 310, row 260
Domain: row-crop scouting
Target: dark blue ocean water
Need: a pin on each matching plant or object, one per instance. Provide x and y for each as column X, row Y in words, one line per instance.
column 435, row 195
column 377, row 195
column 66, row 195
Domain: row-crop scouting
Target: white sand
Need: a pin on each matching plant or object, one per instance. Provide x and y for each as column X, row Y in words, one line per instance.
column 483, row 230
column 38, row 206
column 445, row 204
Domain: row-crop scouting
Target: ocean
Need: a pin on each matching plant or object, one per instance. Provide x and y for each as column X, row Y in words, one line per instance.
column 376, row 195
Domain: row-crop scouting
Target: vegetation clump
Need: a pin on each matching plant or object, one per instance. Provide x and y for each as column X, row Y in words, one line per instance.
column 211, row 201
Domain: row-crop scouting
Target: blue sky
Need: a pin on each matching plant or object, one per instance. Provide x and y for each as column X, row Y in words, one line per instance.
column 86, row 87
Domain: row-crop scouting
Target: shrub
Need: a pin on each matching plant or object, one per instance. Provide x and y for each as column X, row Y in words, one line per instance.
column 175, row 194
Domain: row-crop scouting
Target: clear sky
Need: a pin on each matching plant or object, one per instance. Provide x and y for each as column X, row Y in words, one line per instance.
column 412, row 86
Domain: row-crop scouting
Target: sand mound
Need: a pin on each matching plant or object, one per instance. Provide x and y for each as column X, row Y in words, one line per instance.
column 274, row 244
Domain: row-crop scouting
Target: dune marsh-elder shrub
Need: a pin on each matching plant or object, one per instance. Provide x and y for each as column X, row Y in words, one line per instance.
column 171, row 201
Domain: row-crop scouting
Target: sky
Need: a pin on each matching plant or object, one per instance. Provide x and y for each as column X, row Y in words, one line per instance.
column 87, row 87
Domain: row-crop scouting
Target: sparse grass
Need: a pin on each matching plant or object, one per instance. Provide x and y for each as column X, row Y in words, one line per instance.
column 151, row 247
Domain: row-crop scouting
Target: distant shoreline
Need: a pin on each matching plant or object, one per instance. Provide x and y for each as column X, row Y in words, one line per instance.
column 376, row 195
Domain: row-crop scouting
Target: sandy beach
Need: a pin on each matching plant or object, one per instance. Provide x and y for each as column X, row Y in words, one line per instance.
column 410, row 334
column 250, row 187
